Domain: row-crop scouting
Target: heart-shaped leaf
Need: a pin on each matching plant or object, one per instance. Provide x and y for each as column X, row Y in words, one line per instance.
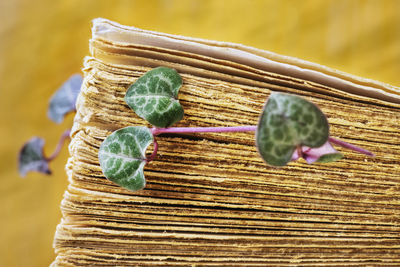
column 154, row 97
column 122, row 156
column 31, row 157
column 64, row 99
column 287, row 122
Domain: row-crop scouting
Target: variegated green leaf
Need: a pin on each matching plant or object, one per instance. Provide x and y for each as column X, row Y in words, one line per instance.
column 154, row 97
column 122, row 156
column 287, row 122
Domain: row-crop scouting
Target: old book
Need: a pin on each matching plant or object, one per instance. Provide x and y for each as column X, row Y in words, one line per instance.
column 210, row 200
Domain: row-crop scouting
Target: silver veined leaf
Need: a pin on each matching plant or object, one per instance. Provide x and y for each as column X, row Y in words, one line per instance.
column 287, row 122
column 122, row 156
column 154, row 97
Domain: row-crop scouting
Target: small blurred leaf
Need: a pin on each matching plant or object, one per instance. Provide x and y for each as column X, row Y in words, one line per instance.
column 287, row 122
column 64, row 99
column 31, row 157
column 122, row 156
column 154, row 97
column 323, row 154
column 327, row 158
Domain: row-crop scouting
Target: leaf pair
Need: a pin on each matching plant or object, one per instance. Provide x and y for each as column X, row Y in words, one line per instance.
column 63, row 101
column 153, row 97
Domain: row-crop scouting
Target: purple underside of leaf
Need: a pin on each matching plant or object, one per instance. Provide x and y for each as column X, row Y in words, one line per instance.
column 31, row 157
column 311, row 155
column 64, row 99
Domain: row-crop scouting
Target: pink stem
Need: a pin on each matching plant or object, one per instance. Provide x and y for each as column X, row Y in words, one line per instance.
column 64, row 136
column 154, row 154
column 350, row 146
column 157, row 131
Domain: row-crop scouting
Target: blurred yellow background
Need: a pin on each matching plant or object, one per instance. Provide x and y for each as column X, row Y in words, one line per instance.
column 43, row 42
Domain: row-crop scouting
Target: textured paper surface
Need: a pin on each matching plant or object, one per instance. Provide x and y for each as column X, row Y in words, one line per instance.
column 209, row 199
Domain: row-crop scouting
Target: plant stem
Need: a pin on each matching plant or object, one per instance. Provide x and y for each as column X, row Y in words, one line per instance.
column 157, row 131
column 60, row 144
column 350, row 146
column 154, row 154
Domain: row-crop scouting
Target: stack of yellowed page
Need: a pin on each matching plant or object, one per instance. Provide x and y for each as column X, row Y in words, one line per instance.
column 210, row 200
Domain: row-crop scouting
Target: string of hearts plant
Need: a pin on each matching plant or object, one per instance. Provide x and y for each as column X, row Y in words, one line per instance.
column 289, row 128
column 31, row 157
